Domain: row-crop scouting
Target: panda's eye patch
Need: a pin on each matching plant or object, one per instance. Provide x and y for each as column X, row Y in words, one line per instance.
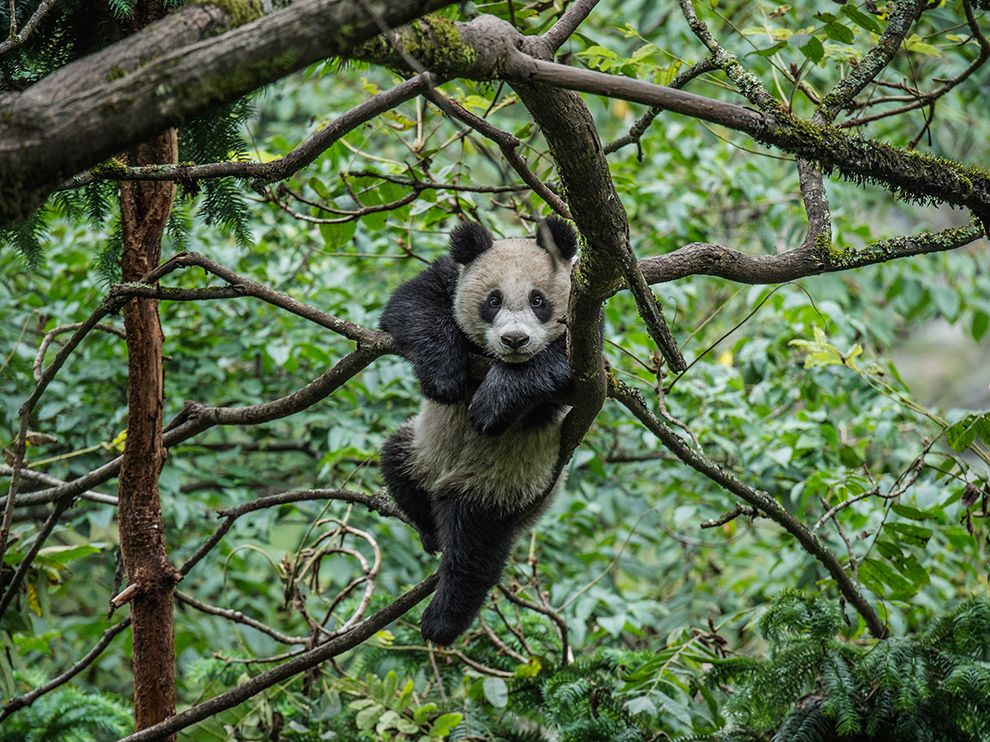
column 491, row 305
column 541, row 305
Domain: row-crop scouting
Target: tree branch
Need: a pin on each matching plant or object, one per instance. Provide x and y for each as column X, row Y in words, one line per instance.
column 706, row 259
column 163, row 75
column 265, row 172
column 567, row 24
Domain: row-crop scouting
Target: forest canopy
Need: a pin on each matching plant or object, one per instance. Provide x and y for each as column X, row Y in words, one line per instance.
column 777, row 454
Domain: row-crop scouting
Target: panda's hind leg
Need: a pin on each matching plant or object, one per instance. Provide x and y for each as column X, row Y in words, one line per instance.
column 476, row 543
column 412, row 499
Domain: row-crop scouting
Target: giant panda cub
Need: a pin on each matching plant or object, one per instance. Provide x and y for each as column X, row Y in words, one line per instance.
column 476, row 466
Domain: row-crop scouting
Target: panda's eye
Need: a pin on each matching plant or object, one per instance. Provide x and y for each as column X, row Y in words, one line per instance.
column 495, row 300
column 536, row 301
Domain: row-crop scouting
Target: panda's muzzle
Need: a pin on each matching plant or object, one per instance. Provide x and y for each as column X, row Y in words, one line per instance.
column 515, row 340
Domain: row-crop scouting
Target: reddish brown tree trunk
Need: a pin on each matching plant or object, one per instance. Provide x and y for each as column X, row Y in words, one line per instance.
column 144, row 210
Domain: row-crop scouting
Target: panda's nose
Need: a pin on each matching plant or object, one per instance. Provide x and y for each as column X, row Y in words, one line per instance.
column 515, row 340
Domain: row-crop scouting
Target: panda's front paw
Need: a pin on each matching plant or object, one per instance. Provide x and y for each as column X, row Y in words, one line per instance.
column 487, row 415
column 446, row 387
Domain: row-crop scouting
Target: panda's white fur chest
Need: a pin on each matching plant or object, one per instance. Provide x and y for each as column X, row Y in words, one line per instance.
column 510, row 470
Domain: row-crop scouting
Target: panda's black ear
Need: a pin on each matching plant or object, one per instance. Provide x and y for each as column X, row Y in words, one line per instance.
column 468, row 240
column 557, row 237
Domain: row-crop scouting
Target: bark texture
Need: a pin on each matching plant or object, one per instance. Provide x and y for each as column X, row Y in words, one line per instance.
column 144, row 210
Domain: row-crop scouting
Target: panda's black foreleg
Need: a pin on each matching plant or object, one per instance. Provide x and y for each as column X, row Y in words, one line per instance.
column 476, row 543
column 420, row 317
column 509, row 390
column 412, row 499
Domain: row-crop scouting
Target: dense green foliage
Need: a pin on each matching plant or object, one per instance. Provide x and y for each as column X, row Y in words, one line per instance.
column 794, row 388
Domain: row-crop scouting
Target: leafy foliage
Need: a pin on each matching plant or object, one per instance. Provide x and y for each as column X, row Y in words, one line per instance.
column 69, row 715
column 817, row 391
column 815, row 687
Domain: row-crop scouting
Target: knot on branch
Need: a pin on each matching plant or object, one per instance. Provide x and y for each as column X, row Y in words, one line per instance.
column 162, row 578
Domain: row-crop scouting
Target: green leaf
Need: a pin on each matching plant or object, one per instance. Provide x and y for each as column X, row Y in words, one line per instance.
column 336, row 236
column 915, row 43
column 64, row 554
column 912, row 534
column 861, row 19
column 367, row 718
column 769, row 51
column 981, row 321
column 424, row 712
column 838, row 32
column 497, row 692
column 963, row 433
column 444, row 724
column 813, row 49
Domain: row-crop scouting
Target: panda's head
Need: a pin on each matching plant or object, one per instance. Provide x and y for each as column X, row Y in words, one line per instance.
column 512, row 294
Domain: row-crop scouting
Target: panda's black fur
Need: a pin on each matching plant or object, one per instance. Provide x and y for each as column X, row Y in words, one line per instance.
column 477, row 465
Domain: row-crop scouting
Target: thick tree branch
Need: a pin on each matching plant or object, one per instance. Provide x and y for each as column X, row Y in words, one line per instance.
column 162, row 76
column 706, row 259
column 908, row 174
column 899, row 22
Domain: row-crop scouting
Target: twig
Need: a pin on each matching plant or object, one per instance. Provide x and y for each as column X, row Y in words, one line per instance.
column 17, row 38
column 643, row 122
column 567, row 23
column 432, row 185
column 502, row 646
column 559, row 622
column 238, row 617
column 729, row 516
column 39, row 358
column 507, row 143
column 41, row 498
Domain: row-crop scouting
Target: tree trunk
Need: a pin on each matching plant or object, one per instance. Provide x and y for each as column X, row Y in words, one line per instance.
column 144, row 209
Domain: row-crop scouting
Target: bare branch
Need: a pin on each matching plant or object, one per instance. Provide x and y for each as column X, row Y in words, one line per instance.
column 238, row 617
column 266, row 172
column 703, row 258
column 567, row 24
column 428, row 185
column 39, row 359
column 507, row 143
column 242, row 286
column 16, row 37
column 40, row 498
